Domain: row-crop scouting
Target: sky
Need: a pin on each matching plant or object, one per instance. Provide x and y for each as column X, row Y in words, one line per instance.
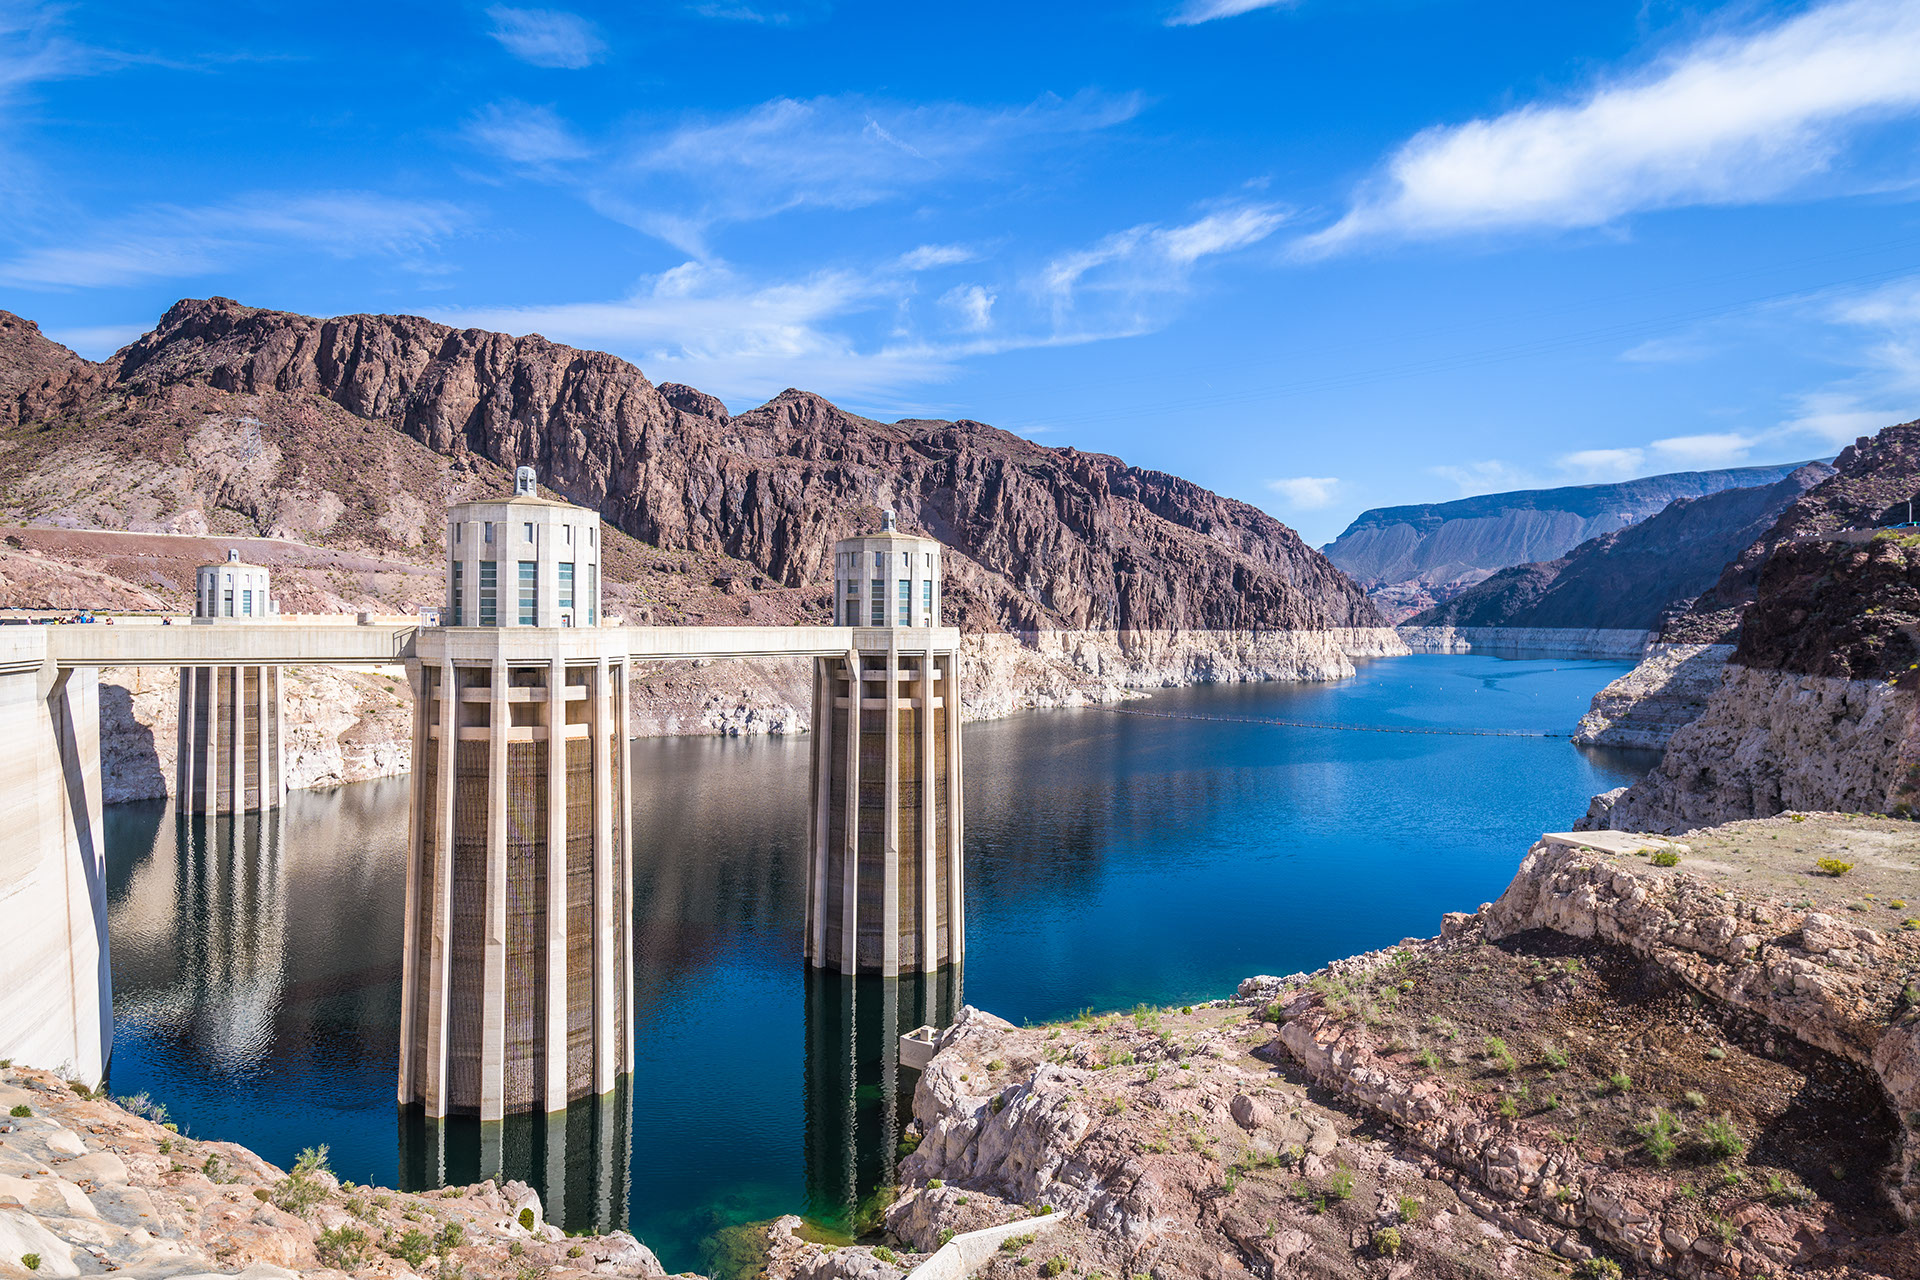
column 1318, row 255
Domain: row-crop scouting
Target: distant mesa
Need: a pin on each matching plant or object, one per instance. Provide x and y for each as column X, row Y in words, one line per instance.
column 1411, row 558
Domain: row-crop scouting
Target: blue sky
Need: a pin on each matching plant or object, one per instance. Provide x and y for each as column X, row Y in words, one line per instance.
column 1320, row 255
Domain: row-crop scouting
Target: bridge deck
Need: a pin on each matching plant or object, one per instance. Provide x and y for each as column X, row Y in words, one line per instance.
column 291, row 644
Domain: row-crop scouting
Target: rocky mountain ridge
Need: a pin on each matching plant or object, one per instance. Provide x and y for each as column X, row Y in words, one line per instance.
column 1411, row 558
column 1631, row 578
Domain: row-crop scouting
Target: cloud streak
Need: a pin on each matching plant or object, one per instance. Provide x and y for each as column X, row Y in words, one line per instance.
column 1731, row 119
column 550, row 38
column 1195, row 12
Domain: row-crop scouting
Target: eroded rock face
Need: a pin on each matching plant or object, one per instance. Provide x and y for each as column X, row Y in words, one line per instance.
column 1655, row 700
column 1771, row 741
column 1055, row 538
column 91, row 1187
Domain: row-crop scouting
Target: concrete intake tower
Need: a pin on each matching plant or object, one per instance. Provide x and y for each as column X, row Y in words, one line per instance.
column 232, row 747
column 885, row 893
column 517, row 992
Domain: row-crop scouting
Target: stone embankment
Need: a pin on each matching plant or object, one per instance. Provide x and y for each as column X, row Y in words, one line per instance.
column 1771, row 741
column 349, row 726
column 1692, row 1060
column 1648, row 705
column 89, row 1187
column 1550, row 642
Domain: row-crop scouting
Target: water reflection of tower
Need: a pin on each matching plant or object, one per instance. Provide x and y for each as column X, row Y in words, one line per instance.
column 858, row 1098
column 231, row 882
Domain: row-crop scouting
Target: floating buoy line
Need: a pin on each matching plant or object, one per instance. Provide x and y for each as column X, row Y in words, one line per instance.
column 1345, row 728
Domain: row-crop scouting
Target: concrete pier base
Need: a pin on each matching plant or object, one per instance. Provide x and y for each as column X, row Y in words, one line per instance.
column 886, row 890
column 232, row 752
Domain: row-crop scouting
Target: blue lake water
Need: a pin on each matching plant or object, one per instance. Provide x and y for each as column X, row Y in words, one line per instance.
column 1112, row 858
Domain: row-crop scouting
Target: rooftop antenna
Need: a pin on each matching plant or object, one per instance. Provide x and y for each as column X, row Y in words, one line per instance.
column 523, row 482
column 886, row 521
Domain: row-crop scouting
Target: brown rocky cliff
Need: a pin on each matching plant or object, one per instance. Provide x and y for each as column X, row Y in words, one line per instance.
column 37, row 375
column 1048, row 538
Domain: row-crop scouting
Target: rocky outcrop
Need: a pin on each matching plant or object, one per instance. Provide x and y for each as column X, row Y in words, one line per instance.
column 1647, row 706
column 1874, row 480
column 1694, row 1063
column 1413, row 557
column 1771, row 741
column 1552, row 642
column 1047, row 538
column 1631, row 578
column 87, row 1186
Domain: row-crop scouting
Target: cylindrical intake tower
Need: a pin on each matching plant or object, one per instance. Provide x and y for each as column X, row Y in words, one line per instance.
column 886, row 894
column 231, row 754
column 517, row 992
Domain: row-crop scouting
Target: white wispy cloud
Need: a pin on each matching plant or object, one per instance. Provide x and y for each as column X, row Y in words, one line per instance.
column 1599, row 466
column 1486, row 475
column 1128, row 268
column 1306, row 493
column 97, row 342
column 972, row 305
column 1710, row 451
column 547, row 37
column 929, row 256
column 1197, row 11
column 174, row 242
column 678, row 181
column 1732, row 118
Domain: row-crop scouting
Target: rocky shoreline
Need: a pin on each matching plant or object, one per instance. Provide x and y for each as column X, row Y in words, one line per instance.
column 1551, row 642
column 352, row 726
column 1692, row 1060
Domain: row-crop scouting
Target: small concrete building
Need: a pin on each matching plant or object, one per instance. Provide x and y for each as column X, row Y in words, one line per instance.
column 231, row 752
column 885, row 894
column 517, row 993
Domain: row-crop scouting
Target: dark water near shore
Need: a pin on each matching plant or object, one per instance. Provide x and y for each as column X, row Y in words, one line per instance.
column 1111, row 859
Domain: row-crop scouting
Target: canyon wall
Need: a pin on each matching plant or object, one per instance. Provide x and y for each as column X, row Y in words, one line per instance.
column 1647, row 706
column 1551, row 642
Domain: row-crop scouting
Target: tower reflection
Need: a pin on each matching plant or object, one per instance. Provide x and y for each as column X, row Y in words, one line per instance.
column 577, row 1159
column 858, row 1098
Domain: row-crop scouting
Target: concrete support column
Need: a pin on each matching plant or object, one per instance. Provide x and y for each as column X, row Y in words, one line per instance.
column 850, row 852
column 556, row 977
column 183, row 745
column 439, row 952
column 279, row 735
column 929, row 833
column 823, row 744
column 263, row 731
column 493, row 989
column 603, row 946
column 210, row 771
column 956, row 821
column 623, row 847
column 890, row 845
column 237, row 737
column 418, row 817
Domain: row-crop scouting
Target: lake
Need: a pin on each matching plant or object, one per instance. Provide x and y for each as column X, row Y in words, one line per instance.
column 1112, row 858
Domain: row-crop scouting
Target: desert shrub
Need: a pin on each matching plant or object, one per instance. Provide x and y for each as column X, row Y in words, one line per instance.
column 1054, row 1266
column 576, row 1251
column 1620, row 1082
column 302, row 1189
column 1498, row 1053
column 526, row 1219
column 20, row 1111
column 1833, row 867
column 343, row 1247
column 884, row 1254
column 1598, row 1269
column 1722, row 1137
column 1428, row 1059
column 1014, row 1244
column 1507, row 1106
column 452, row 1236
column 946, row 1234
column 995, row 1064
column 1409, row 1208
column 1666, row 858
column 31, row 1261
column 1340, row 1185
column 413, row 1247
column 1694, row 1098
column 1554, row 1058
column 1658, row 1135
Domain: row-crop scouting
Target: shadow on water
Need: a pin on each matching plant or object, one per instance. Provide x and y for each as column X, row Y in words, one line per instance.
column 577, row 1160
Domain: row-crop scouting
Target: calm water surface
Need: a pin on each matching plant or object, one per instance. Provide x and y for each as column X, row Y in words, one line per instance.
column 1111, row 859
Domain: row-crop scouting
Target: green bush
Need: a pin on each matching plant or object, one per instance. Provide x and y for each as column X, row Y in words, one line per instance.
column 1409, row 1208
column 1666, row 858
column 31, row 1261
column 20, row 1111
column 1340, row 1185
column 452, row 1236
column 1833, row 867
column 1428, row 1059
column 1722, row 1137
column 576, row 1252
column 1498, row 1053
column 1694, row 1099
column 946, row 1234
column 302, row 1189
column 1620, row 1082
column 526, row 1219
column 1598, row 1269
column 885, row 1254
column 1555, row 1059
column 1014, row 1244
column 1054, row 1266
column 1658, row 1137
column 343, row 1247
column 413, row 1247
column 1386, row 1242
